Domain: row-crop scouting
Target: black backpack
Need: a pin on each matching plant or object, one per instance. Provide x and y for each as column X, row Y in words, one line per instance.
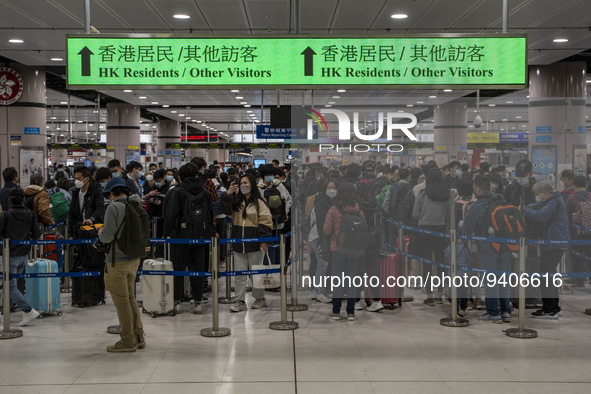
column 275, row 202
column 354, row 237
column 197, row 219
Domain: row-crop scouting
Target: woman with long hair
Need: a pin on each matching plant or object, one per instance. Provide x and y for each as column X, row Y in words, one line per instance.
column 251, row 219
column 346, row 202
column 432, row 210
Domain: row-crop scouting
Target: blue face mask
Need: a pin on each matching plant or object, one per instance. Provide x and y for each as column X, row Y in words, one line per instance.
column 522, row 180
column 169, row 178
column 103, row 184
column 116, row 174
column 459, row 172
column 140, row 174
column 269, row 179
column 158, row 184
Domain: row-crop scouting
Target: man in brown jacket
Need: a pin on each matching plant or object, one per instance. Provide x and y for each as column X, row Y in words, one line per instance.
column 37, row 200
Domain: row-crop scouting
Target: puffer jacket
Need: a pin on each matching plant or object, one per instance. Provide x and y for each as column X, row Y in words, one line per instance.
column 19, row 223
column 553, row 214
column 257, row 223
column 40, row 204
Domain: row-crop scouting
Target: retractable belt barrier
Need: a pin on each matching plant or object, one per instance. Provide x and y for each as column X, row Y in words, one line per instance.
column 176, row 241
column 496, row 240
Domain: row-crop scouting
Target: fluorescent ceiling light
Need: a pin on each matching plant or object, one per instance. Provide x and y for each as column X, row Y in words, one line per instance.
column 16, row 41
column 63, row 102
column 447, row 90
column 235, row 91
column 56, row 59
column 142, row 97
column 341, row 91
column 239, row 97
column 165, row 106
column 560, row 40
column 155, row 102
column 398, row 16
column 127, row 91
column 181, row 16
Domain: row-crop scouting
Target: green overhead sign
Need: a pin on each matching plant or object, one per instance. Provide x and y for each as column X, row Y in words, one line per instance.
column 107, row 61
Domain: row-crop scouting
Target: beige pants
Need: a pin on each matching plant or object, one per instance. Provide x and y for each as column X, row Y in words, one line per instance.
column 120, row 281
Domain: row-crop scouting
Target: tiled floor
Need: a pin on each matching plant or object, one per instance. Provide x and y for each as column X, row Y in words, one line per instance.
column 402, row 351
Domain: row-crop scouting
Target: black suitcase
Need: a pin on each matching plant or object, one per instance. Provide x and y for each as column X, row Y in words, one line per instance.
column 88, row 291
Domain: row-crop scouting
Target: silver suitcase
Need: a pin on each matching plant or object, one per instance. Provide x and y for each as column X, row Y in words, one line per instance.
column 158, row 290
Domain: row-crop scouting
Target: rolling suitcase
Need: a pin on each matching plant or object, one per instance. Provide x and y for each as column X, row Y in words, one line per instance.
column 158, row 290
column 88, row 291
column 43, row 294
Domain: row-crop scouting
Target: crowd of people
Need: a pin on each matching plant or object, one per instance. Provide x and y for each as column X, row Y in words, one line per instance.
column 350, row 215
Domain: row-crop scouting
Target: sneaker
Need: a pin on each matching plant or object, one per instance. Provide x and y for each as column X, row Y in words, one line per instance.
column 323, row 298
column 197, row 309
column 461, row 312
column 375, row 306
column 335, row 316
column 259, row 304
column 359, row 305
column 540, row 314
column 506, row 317
column 204, row 300
column 469, row 306
column 28, row 317
column 140, row 341
column 240, row 306
column 178, row 309
column 487, row 317
column 119, row 348
column 351, row 317
column 479, row 304
column 429, row 302
column 559, row 313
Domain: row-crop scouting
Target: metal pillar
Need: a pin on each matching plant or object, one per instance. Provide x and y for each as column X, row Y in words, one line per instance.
column 283, row 324
column 454, row 321
column 521, row 331
column 297, row 265
column 228, row 299
column 216, row 331
column 7, row 332
column 401, row 247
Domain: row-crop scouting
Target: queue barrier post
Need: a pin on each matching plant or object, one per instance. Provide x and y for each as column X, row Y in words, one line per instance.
column 215, row 331
column 283, row 324
column 521, row 331
column 7, row 332
column 295, row 306
column 228, row 299
column 454, row 321
column 67, row 260
column 406, row 262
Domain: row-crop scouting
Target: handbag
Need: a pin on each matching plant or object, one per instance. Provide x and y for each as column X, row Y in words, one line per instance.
column 265, row 281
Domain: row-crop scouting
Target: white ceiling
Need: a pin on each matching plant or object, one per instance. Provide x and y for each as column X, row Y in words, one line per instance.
column 43, row 25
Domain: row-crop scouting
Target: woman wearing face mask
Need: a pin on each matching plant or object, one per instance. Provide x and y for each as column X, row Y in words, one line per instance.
column 327, row 191
column 251, row 219
column 550, row 210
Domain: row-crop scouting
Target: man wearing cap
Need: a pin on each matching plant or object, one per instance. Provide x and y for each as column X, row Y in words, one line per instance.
column 120, row 269
column 19, row 223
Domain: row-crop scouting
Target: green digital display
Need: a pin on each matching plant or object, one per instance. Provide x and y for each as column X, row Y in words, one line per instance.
column 107, row 61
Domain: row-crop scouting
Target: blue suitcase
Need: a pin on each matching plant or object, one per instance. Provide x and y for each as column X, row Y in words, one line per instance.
column 43, row 294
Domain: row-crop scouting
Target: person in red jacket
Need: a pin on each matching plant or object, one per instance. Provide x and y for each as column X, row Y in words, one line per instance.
column 346, row 201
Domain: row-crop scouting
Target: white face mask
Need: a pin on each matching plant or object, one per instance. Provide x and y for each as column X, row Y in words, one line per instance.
column 522, row 180
column 538, row 198
column 79, row 184
column 244, row 189
column 331, row 193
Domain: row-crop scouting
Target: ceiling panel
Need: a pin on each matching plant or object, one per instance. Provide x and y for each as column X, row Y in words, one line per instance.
column 437, row 16
column 167, row 8
column 352, row 14
column 100, row 17
column 137, row 14
column 224, row 14
column 538, row 11
column 316, row 14
column 487, row 13
column 11, row 17
column 268, row 14
column 47, row 12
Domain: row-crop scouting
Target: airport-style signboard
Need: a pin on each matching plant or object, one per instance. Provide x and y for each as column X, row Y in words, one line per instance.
column 161, row 62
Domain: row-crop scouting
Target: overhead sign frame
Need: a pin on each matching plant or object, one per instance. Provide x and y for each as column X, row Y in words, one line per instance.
column 295, row 67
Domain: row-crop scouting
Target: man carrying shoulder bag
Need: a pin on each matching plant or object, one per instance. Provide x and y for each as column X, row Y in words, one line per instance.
column 126, row 229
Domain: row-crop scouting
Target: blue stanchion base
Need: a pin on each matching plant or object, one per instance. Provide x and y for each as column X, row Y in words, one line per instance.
column 525, row 334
